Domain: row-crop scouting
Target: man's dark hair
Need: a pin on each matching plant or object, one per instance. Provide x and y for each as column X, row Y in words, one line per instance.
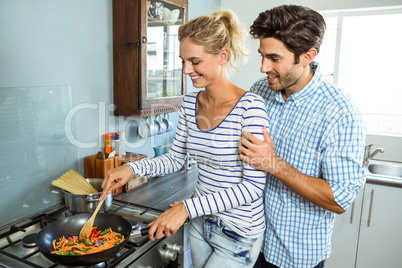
column 299, row 28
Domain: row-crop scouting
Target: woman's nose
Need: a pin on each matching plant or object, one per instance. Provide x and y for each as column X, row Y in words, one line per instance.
column 187, row 68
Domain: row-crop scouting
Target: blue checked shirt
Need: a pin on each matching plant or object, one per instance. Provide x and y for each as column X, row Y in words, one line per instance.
column 319, row 131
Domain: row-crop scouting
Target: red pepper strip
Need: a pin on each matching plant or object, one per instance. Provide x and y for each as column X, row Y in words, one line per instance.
column 94, row 233
column 91, row 233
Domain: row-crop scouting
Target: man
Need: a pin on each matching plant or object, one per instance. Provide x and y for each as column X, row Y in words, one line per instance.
column 313, row 154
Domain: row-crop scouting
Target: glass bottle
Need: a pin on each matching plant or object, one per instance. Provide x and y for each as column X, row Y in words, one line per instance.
column 122, row 142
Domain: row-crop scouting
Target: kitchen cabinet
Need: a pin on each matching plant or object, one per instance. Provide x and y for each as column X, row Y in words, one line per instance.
column 345, row 236
column 373, row 238
column 380, row 238
column 147, row 69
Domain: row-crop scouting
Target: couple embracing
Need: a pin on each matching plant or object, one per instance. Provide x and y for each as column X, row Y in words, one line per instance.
column 275, row 163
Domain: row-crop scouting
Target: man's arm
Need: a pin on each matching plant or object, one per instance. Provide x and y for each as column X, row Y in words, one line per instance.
column 261, row 154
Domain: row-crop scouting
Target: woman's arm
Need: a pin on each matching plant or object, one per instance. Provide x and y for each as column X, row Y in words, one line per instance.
column 165, row 164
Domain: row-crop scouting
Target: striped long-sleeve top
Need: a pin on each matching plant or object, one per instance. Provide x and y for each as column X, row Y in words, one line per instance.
column 226, row 186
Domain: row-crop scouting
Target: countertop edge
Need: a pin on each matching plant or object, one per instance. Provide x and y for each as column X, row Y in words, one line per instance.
column 384, row 180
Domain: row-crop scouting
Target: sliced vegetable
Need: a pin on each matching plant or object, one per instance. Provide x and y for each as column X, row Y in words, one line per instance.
column 80, row 249
column 86, row 242
column 105, row 231
column 72, row 253
column 97, row 243
column 72, row 245
column 94, row 233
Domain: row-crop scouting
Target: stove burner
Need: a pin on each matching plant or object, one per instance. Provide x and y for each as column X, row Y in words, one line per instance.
column 29, row 240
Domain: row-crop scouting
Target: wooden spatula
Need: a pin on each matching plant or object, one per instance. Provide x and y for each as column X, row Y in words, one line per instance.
column 87, row 228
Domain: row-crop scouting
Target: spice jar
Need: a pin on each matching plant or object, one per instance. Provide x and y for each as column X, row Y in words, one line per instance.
column 115, row 143
column 108, row 143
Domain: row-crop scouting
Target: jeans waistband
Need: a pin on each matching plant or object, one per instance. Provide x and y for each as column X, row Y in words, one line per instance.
column 213, row 219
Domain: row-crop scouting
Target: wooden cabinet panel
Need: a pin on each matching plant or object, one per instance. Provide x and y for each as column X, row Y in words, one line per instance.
column 126, row 55
column 145, row 49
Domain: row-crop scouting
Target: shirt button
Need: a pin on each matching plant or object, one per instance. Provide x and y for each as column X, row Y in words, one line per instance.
column 277, row 135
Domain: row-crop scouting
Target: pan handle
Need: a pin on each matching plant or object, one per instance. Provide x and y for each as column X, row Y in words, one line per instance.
column 139, row 232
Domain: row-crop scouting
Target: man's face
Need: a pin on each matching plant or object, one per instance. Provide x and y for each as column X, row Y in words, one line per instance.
column 278, row 64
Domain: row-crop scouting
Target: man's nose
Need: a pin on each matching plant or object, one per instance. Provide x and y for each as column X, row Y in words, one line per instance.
column 266, row 66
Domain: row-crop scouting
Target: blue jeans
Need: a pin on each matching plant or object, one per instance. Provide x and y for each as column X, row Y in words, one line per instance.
column 213, row 245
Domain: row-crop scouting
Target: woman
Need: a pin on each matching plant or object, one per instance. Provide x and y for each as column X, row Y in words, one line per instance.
column 226, row 212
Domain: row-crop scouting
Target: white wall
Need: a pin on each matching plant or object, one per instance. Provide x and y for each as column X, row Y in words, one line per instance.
column 391, row 144
column 251, row 70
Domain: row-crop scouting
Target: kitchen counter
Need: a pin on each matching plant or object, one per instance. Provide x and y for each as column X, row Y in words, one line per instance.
column 384, row 180
column 159, row 192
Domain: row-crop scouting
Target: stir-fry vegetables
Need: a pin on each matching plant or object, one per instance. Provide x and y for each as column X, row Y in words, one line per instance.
column 96, row 241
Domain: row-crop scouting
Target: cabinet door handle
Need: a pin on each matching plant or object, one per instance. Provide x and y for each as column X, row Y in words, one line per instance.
column 130, row 44
column 144, row 40
column 352, row 212
column 371, row 207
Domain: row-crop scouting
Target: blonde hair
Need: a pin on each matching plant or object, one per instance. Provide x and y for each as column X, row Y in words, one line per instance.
column 216, row 31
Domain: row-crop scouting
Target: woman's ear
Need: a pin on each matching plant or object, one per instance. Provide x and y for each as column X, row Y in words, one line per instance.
column 224, row 55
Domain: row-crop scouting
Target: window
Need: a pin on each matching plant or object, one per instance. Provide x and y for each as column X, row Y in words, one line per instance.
column 362, row 53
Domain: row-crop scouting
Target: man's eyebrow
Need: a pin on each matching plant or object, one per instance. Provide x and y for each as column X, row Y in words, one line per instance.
column 270, row 55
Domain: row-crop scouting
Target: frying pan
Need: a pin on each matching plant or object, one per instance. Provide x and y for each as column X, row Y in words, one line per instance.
column 71, row 226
